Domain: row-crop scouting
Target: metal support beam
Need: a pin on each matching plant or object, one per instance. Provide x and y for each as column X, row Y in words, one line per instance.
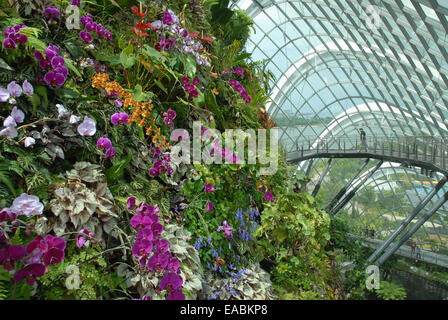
column 413, row 230
column 310, row 165
column 344, row 189
column 352, row 193
column 408, row 220
column 317, row 187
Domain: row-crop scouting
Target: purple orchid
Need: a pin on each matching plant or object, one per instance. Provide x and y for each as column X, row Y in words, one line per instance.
column 30, row 273
column 167, row 18
column 268, row 196
column 162, row 245
column 7, row 215
column 84, row 237
column 86, row 36
column 209, row 206
column 158, row 261
column 141, row 221
column 141, row 250
column 118, row 103
column 119, row 118
column 208, row 188
column 110, row 153
column 103, row 143
column 131, row 203
column 171, row 282
column 54, row 79
column 10, row 254
column 51, row 13
column 173, row 265
column 176, row 295
column 157, row 229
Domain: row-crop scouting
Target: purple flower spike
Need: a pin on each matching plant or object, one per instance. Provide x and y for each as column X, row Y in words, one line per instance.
column 196, row 81
column 76, row 3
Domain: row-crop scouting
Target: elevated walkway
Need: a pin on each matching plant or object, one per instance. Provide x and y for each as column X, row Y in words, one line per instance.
column 424, row 152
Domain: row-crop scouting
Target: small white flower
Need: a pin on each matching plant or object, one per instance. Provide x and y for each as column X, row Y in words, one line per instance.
column 87, row 127
column 62, row 111
column 74, row 119
column 4, row 95
column 9, row 122
column 10, row 132
column 29, row 141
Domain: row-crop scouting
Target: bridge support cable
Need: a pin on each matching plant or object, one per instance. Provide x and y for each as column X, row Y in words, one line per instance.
column 317, row 187
column 413, row 230
column 408, row 220
column 310, row 165
column 352, row 193
column 345, row 188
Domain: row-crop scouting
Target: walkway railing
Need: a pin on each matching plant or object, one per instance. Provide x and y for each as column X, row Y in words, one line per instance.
column 427, row 149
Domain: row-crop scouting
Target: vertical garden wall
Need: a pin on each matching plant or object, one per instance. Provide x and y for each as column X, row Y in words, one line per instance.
column 95, row 202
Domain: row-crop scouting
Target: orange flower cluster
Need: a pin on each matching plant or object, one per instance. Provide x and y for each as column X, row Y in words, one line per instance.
column 141, row 113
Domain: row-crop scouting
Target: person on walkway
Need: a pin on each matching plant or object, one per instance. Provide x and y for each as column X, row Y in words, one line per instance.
column 413, row 246
column 362, row 134
column 419, row 253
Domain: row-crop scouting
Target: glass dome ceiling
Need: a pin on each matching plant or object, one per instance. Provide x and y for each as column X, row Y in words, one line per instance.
column 339, row 65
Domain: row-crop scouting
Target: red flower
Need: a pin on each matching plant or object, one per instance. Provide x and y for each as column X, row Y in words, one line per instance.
column 140, row 33
column 139, row 12
column 206, row 39
column 141, row 26
column 193, row 35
